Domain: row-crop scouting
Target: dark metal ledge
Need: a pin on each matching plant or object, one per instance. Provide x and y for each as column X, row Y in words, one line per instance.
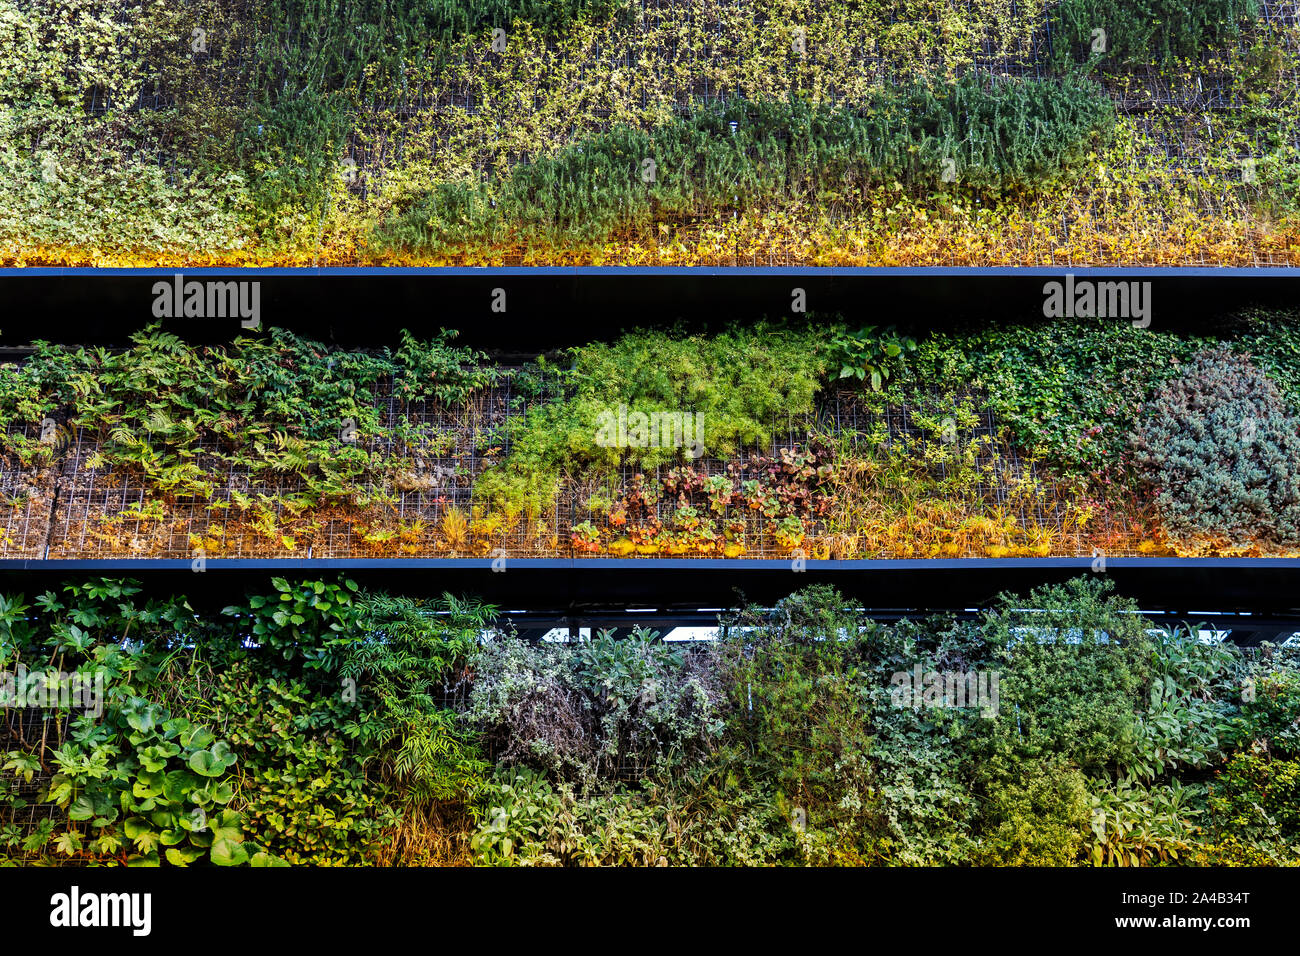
column 1175, row 585
column 548, row 307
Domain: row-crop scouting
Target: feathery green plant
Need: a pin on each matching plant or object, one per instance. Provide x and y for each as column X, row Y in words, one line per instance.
column 988, row 137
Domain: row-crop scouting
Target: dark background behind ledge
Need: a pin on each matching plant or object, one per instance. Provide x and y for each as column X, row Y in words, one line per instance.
column 1186, row 587
column 551, row 307
column 547, row 308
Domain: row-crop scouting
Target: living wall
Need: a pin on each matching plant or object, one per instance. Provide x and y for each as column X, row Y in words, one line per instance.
column 1148, row 31
column 312, row 131
column 744, row 156
column 776, row 439
column 314, row 723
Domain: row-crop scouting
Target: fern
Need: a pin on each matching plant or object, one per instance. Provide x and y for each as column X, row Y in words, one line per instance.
column 406, row 651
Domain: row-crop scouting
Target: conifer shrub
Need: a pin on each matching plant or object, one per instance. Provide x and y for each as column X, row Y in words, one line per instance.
column 740, row 384
column 987, row 137
column 1144, row 31
column 1222, row 453
column 1075, row 662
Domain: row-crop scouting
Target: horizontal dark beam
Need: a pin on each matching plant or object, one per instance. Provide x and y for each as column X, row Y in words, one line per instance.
column 1178, row 585
column 550, row 307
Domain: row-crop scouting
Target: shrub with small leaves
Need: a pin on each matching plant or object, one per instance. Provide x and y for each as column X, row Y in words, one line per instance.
column 1255, row 800
column 607, row 708
column 1222, row 453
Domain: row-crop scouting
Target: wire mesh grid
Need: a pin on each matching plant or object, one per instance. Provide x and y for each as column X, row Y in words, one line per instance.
column 24, row 814
column 1176, row 112
column 26, row 497
column 426, row 456
column 853, row 479
column 428, row 504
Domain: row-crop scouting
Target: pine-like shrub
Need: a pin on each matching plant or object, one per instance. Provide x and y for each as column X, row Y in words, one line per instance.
column 1222, row 453
column 736, row 386
column 989, row 137
column 318, row 62
column 1144, row 31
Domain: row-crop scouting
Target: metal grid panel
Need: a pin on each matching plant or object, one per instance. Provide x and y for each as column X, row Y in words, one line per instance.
column 376, row 143
column 1177, row 115
column 424, row 503
column 26, row 503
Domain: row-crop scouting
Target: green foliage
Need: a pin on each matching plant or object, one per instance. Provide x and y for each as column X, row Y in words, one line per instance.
column 1144, row 31
column 1268, row 717
column 300, row 621
column 136, row 780
column 1222, row 452
column 436, row 371
column 180, row 416
column 1038, row 817
column 799, row 709
column 1010, row 134
column 1194, row 690
column 1136, row 826
column 115, row 176
column 350, row 131
column 531, row 822
column 1041, row 382
column 273, row 405
column 305, row 793
column 1075, row 392
column 282, row 731
column 1256, row 801
column 817, row 723
column 405, row 654
column 1074, row 666
column 278, row 428
column 1272, row 340
column 741, row 381
column 28, row 398
column 331, row 740
column 318, row 62
column 868, row 355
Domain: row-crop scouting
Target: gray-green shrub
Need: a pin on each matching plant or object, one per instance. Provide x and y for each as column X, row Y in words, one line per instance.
column 1221, row 452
